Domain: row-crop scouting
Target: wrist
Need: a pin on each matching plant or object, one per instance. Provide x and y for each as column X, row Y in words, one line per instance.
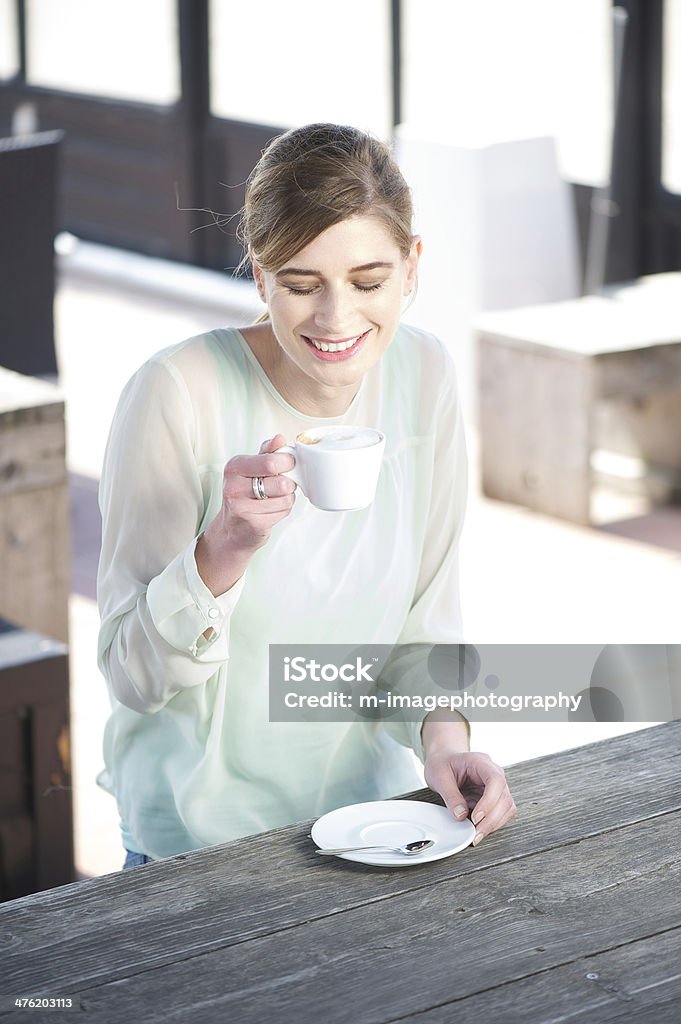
column 218, row 561
column 446, row 731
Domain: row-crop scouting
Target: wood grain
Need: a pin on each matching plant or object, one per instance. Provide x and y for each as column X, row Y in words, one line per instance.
column 36, row 822
column 431, row 946
column 34, row 506
column 584, row 867
column 638, row 980
column 536, row 410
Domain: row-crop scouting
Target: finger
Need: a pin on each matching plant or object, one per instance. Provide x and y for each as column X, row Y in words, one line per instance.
column 493, row 779
column 504, row 812
column 247, row 507
column 266, row 520
column 267, row 464
column 441, row 780
column 278, row 441
column 272, row 505
column 273, row 486
column 278, row 486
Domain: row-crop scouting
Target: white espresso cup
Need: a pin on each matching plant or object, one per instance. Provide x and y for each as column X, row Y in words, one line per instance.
column 337, row 467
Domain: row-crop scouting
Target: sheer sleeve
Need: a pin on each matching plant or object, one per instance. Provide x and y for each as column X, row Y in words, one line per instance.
column 153, row 604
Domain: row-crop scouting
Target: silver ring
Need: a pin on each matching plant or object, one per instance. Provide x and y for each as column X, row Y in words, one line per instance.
column 258, row 486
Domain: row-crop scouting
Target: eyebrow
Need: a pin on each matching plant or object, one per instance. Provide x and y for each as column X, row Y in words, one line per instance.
column 291, row 271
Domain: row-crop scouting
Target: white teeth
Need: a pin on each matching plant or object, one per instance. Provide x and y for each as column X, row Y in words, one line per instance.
column 324, row 346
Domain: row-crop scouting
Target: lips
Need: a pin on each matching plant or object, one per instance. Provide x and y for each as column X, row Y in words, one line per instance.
column 334, row 351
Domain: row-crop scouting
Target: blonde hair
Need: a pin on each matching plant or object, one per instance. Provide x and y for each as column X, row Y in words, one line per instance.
column 311, row 178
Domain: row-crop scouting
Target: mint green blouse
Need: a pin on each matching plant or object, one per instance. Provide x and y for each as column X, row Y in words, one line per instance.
column 189, row 751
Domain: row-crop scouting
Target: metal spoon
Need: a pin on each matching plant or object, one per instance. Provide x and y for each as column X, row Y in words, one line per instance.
column 409, row 849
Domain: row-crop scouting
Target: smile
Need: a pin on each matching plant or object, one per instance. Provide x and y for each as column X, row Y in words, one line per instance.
column 339, row 349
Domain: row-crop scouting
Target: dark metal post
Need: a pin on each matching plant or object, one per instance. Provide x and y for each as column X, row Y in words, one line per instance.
column 29, row 201
column 192, row 115
column 660, row 209
column 22, row 37
column 603, row 202
column 624, row 238
column 396, row 54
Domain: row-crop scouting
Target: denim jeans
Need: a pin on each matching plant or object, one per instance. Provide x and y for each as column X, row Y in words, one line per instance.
column 135, row 860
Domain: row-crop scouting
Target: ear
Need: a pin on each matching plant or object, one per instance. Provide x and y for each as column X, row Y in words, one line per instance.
column 412, row 264
column 259, row 278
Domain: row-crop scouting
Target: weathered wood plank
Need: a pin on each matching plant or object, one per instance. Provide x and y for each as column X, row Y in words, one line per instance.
column 641, row 373
column 32, row 449
column 638, row 981
column 435, row 945
column 639, row 314
column 34, row 509
column 544, row 373
column 531, row 402
column 36, row 831
column 236, row 892
column 34, row 559
column 24, row 398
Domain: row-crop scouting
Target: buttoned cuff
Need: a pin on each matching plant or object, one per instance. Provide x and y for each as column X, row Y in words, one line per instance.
column 183, row 608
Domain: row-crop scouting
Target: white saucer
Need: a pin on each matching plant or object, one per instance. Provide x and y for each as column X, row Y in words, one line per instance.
column 393, row 823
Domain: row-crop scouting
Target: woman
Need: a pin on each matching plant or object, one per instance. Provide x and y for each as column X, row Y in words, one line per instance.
column 209, row 555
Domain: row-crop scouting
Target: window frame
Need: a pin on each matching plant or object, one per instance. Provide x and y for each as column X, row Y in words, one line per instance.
column 146, row 178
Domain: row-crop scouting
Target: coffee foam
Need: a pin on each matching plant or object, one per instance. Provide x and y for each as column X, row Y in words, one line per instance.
column 340, row 438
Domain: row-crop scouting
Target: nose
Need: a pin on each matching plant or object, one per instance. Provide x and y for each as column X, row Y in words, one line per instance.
column 333, row 313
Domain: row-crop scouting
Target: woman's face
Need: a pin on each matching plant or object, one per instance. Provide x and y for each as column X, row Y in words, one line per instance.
column 335, row 307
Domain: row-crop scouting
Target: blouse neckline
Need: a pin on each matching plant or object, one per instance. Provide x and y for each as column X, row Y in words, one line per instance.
column 267, row 383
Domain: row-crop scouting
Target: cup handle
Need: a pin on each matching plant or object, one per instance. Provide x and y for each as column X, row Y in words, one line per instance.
column 288, row 449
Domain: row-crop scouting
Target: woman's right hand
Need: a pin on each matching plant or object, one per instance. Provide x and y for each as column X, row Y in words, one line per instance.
column 244, row 523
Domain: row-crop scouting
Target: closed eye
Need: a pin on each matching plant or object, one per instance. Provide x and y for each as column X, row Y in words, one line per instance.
column 359, row 287
column 299, row 291
column 370, row 287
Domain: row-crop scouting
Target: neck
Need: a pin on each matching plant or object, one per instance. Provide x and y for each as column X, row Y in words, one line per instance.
column 310, row 397
column 307, row 396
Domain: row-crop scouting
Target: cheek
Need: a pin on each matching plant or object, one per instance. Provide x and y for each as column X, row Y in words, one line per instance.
column 285, row 307
column 389, row 306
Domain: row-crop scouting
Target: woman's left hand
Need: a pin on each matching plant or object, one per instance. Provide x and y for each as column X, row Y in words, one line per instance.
column 468, row 780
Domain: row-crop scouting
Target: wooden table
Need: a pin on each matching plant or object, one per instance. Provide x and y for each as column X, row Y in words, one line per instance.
column 571, row 913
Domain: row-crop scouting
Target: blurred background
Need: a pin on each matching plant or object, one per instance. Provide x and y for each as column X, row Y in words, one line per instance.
column 542, row 140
